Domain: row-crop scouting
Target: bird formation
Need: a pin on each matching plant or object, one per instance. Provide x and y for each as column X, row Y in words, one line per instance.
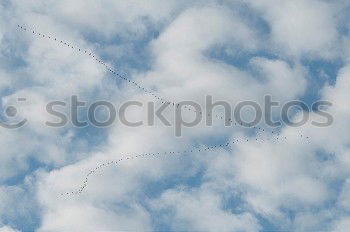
column 110, row 69
column 275, row 136
column 275, row 133
column 122, row 77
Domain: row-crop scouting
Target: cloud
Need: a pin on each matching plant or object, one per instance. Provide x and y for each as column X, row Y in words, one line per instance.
column 200, row 209
column 7, row 229
column 301, row 27
column 263, row 184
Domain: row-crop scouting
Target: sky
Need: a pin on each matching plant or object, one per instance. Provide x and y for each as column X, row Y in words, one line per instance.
column 233, row 50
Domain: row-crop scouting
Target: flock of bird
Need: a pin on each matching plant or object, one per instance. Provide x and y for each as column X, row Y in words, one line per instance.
column 275, row 133
column 106, row 164
column 108, row 68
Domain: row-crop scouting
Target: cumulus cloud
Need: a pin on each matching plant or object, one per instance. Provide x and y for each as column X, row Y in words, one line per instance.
column 301, row 27
column 200, row 209
column 261, row 184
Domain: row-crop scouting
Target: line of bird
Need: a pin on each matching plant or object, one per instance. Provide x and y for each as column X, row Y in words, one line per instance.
column 123, row 77
column 153, row 94
column 110, row 69
column 118, row 75
column 275, row 136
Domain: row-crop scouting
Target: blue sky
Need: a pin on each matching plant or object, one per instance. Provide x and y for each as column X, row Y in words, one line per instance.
column 233, row 50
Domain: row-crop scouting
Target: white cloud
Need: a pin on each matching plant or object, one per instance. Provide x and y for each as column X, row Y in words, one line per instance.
column 200, row 210
column 301, row 27
column 7, row 229
column 266, row 179
column 341, row 225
